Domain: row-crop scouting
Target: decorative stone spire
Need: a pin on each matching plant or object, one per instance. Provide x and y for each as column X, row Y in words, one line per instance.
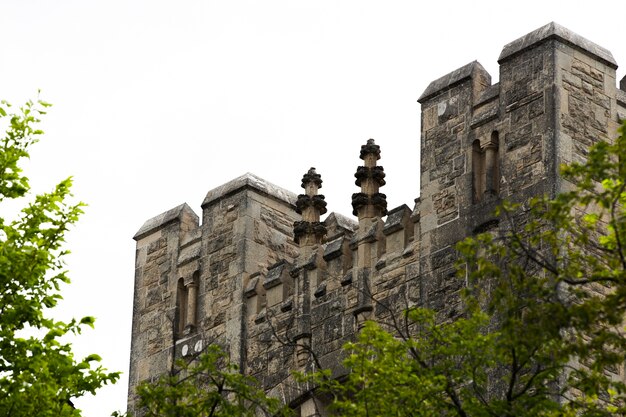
column 311, row 205
column 369, row 203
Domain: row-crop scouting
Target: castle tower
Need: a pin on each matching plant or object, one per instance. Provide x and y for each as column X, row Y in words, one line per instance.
column 481, row 143
column 270, row 282
column 199, row 284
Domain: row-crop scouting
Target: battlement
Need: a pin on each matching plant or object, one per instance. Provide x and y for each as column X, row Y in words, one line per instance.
column 267, row 278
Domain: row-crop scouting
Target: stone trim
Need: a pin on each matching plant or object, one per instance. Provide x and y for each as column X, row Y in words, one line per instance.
column 396, row 219
column 555, row 31
column 274, row 275
column 451, row 79
column 249, row 181
column 333, row 249
column 163, row 219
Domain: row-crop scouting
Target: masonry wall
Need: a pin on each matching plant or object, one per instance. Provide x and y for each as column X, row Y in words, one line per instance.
column 246, row 226
column 242, row 234
column 266, row 298
column 156, row 274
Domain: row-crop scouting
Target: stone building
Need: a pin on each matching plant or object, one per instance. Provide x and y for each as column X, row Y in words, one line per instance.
column 261, row 265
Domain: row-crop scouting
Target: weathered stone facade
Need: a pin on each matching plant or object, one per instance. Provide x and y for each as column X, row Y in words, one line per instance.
column 249, row 280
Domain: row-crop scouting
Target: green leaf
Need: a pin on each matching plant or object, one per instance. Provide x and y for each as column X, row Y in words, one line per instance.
column 38, row 374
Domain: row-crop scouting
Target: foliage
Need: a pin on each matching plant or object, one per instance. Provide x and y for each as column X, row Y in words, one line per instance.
column 409, row 376
column 206, row 385
column 541, row 333
column 39, row 375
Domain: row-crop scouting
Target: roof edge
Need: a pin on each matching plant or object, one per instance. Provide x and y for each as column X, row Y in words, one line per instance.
column 451, row 79
column 160, row 221
column 249, row 180
column 555, row 31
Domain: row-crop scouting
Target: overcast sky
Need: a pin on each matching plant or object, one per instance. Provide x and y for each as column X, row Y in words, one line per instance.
column 157, row 102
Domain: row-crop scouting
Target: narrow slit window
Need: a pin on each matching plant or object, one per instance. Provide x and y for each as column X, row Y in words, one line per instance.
column 181, row 307
column 478, row 172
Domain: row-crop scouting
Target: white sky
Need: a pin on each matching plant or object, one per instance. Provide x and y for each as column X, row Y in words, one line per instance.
column 157, row 102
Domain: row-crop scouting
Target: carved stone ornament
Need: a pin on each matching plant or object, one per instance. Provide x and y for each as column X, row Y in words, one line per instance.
column 316, row 201
column 312, row 176
column 377, row 173
column 370, row 148
column 304, row 228
column 378, row 200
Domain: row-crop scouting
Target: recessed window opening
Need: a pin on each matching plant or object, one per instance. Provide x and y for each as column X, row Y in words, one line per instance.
column 181, row 307
column 478, row 172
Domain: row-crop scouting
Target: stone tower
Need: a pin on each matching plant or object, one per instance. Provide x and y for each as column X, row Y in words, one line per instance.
column 263, row 276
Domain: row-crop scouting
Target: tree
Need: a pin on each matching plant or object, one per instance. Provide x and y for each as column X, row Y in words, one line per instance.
column 39, row 375
column 542, row 330
column 206, row 385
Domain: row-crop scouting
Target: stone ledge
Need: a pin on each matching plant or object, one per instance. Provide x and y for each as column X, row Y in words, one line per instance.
column 274, row 275
column 451, row 79
column 163, row 219
column 333, row 248
column 249, row 181
column 555, row 31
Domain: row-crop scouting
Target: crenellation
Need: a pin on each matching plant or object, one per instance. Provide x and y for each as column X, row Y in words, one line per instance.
column 270, row 281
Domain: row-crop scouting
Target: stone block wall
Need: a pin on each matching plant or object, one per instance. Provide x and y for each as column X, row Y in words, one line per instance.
column 158, row 243
column 266, row 279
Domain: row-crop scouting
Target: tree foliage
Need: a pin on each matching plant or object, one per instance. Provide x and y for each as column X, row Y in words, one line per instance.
column 207, row 385
column 39, row 375
column 542, row 328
